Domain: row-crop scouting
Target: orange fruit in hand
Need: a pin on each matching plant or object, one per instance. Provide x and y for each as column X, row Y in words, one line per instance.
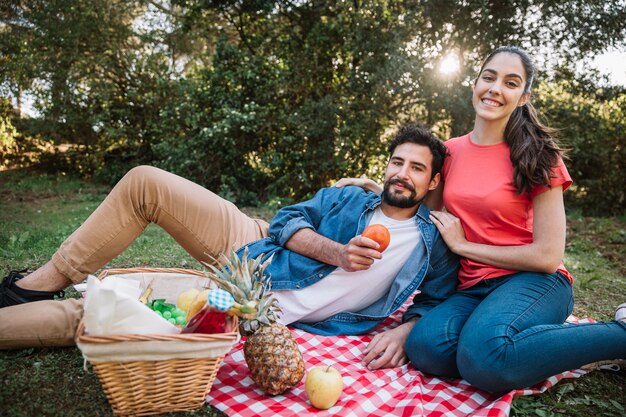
column 379, row 234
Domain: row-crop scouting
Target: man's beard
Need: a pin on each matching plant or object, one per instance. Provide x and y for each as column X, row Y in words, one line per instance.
column 399, row 200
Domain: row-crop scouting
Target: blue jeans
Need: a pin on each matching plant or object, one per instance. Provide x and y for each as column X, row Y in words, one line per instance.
column 508, row 333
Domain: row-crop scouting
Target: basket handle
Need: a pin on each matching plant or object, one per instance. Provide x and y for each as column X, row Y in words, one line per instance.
column 114, row 271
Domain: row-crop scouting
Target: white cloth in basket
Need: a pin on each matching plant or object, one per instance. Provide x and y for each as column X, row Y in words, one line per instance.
column 158, row 345
column 112, row 306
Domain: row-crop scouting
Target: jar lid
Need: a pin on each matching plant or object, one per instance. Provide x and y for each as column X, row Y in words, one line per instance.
column 220, row 299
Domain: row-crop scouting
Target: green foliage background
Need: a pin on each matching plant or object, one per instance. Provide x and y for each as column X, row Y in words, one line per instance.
column 268, row 100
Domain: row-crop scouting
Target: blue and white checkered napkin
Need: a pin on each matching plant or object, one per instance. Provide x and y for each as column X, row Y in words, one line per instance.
column 220, row 299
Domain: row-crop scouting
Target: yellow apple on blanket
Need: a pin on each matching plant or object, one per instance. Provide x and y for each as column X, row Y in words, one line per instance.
column 323, row 386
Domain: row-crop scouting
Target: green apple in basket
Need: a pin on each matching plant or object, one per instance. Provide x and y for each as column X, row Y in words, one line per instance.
column 270, row 349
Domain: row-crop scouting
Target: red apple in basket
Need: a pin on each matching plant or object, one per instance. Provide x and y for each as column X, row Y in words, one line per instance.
column 323, row 386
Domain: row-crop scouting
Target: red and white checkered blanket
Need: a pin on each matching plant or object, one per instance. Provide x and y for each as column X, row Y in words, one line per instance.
column 388, row 392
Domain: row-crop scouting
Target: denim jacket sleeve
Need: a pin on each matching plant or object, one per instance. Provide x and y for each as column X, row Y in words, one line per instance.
column 307, row 214
column 440, row 282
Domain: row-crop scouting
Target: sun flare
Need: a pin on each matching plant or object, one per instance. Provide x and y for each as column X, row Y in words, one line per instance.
column 449, row 64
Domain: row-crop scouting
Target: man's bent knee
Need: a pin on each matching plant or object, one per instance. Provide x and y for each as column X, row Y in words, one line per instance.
column 143, row 173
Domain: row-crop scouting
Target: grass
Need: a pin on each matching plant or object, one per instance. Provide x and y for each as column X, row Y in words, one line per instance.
column 38, row 212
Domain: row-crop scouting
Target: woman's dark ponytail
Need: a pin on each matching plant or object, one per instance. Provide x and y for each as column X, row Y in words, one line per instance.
column 534, row 149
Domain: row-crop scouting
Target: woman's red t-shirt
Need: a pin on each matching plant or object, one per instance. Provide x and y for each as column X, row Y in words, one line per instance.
column 479, row 190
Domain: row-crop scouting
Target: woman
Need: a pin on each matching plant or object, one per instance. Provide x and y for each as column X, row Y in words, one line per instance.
column 502, row 188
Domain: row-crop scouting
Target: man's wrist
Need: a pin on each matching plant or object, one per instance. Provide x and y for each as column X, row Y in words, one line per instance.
column 333, row 254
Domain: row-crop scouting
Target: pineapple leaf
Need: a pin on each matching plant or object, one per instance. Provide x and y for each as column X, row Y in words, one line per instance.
column 246, row 280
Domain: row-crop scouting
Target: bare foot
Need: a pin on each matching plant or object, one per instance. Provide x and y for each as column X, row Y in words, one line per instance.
column 46, row 278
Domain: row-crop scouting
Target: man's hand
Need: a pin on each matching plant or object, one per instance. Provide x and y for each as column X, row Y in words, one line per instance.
column 386, row 350
column 358, row 254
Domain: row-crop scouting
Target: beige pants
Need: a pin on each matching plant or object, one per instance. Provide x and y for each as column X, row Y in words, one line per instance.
column 204, row 224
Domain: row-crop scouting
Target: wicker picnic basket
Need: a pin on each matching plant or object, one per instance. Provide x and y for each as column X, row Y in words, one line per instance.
column 147, row 387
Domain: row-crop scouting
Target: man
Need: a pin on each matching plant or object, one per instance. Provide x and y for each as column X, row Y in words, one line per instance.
column 327, row 278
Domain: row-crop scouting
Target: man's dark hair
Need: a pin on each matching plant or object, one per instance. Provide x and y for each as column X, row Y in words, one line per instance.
column 418, row 134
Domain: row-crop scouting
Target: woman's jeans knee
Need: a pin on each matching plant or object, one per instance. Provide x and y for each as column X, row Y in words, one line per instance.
column 430, row 352
column 432, row 344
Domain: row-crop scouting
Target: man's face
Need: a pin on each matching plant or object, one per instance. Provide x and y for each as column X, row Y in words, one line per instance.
column 407, row 177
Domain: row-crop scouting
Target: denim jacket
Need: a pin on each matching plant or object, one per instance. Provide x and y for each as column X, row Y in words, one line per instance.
column 340, row 214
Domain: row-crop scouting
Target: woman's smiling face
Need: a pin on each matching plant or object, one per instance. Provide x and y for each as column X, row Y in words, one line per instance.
column 499, row 88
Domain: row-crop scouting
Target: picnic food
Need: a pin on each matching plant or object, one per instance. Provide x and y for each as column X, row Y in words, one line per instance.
column 270, row 349
column 323, row 386
column 198, row 303
column 213, row 318
column 379, row 234
column 168, row 311
column 145, row 295
column 185, row 298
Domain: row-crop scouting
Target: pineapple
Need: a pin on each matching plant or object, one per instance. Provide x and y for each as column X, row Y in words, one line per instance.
column 270, row 349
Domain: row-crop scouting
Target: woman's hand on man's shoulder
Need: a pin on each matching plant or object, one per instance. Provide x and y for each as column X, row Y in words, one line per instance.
column 365, row 183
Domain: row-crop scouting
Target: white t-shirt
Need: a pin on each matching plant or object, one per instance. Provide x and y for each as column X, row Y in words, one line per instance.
column 352, row 291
